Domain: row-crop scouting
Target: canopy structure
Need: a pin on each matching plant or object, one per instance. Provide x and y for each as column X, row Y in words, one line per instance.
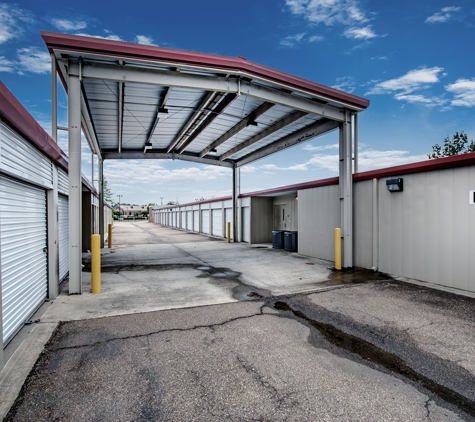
column 138, row 101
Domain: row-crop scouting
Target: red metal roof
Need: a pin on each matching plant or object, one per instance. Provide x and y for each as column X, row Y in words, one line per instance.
column 102, row 46
column 17, row 117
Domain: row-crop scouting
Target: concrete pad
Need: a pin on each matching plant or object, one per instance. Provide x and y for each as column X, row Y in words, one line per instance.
column 252, row 366
column 139, row 291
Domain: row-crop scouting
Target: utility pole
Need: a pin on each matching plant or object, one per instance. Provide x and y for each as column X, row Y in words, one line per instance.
column 161, row 200
column 120, row 196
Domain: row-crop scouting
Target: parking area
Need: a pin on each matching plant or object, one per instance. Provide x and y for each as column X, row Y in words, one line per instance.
column 188, row 327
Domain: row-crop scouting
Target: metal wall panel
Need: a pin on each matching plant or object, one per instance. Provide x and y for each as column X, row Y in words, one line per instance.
column 318, row 216
column 217, row 222
column 63, row 236
column 23, row 247
column 363, row 230
column 205, row 221
column 63, row 182
column 189, row 219
column 19, row 159
column 246, row 224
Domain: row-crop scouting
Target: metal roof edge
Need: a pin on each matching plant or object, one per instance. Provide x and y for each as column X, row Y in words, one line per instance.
column 95, row 45
column 434, row 164
column 13, row 112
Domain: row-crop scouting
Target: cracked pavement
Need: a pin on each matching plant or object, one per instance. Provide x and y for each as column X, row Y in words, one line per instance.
column 186, row 333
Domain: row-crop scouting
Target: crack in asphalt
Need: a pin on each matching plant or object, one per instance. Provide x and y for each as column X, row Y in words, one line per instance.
column 170, row 330
column 390, row 361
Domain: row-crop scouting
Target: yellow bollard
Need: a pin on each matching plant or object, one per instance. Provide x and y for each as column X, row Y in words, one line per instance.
column 338, row 249
column 229, row 232
column 96, row 263
column 109, row 235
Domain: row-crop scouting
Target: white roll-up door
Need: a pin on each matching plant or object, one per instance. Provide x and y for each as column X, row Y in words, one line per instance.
column 196, row 220
column 246, row 224
column 23, row 251
column 188, row 219
column 183, row 220
column 229, row 219
column 205, row 221
column 63, row 234
column 217, row 228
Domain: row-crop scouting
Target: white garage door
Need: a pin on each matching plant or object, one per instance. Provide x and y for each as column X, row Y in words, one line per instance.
column 217, row 222
column 63, row 234
column 205, row 221
column 196, row 220
column 23, row 251
column 246, row 224
column 188, row 219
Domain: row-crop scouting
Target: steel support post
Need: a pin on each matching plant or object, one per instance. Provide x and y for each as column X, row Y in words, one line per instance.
column 2, row 358
column 236, row 192
column 53, row 237
column 75, row 182
column 100, row 178
column 346, row 191
column 355, row 140
column 54, row 100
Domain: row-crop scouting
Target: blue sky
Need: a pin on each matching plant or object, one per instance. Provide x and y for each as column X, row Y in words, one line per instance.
column 414, row 60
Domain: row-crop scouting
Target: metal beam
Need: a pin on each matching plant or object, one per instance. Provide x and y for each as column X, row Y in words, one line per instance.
column 316, row 129
column 228, row 99
column 121, row 114
column 162, row 155
column 202, row 106
column 259, row 111
column 89, row 130
column 100, row 178
column 296, row 115
column 157, row 115
column 209, row 83
column 346, row 193
column 236, row 192
column 54, row 99
column 75, row 181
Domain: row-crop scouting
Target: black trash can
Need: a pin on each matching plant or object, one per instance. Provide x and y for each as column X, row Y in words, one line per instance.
column 278, row 239
column 290, row 241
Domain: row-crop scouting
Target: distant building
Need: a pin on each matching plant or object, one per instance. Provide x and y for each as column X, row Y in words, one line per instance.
column 127, row 210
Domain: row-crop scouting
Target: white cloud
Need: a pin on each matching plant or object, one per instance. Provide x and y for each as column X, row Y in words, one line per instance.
column 143, row 39
column 295, row 167
column 11, row 21
column 430, row 102
column 291, row 40
column 6, row 65
column 360, row 33
column 67, row 25
column 136, row 173
column 379, row 58
column 346, row 83
column 107, row 37
column 328, row 12
column 315, row 38
column 368, row 159
column 464, row 92
column 443, row 16
column 34, row 60
column 408, row 83
column 320, row 147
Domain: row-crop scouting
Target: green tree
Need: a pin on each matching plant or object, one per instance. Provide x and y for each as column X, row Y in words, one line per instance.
column 107, row 192
column 457, row 145
column 172, row 203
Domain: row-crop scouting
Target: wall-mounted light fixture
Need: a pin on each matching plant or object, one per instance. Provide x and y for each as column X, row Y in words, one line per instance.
column 395, row 185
